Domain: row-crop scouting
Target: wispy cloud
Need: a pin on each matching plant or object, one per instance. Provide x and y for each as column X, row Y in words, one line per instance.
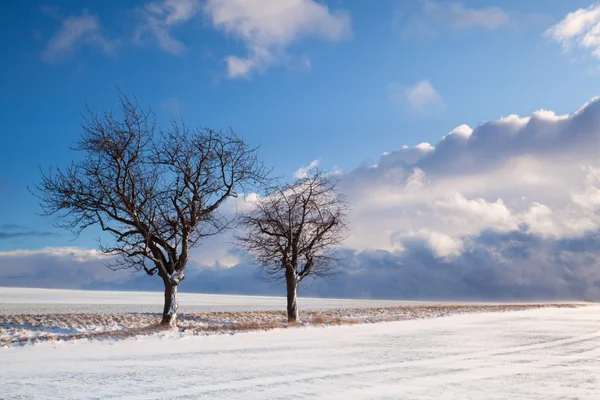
column 10, row 227
column 77, row 253
column 461, row 17
column 159, row 18
column 580, row 28
column 11, row 231
column 268, row 27
column 435, row 16
column 418, row 97
column 74, row 32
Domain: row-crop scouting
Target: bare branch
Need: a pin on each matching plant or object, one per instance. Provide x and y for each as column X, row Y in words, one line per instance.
column 155, row 193
column 296, row 228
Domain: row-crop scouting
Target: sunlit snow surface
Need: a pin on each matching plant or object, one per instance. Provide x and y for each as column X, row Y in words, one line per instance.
column 536, row 354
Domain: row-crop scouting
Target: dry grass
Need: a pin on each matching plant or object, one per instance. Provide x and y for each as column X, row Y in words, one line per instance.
column 320, row 319
column 234, row 327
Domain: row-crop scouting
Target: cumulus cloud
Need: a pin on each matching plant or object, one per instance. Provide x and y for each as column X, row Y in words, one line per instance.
column 508, row 209
column 538, row 173
column 454, row 15
column 420, row 96
column 302, row 172
column 268, row 27
column 580, row 28
column 160, row 17
column 74, row 32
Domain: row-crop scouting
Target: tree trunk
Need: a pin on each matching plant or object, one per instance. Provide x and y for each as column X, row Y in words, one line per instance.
column 170, row 309
column 292, row 302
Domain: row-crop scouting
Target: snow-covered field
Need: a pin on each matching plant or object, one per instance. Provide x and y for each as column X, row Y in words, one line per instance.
column 536, row 354
column 29, row 316
column 42, row 301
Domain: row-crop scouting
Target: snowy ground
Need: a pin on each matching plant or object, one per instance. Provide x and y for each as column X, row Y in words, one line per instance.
column 22, row 330
column 42, row 301
column 29, row 316
column 536, row 354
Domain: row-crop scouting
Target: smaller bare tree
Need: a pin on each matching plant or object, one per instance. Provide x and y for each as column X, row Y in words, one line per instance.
column 294, row 232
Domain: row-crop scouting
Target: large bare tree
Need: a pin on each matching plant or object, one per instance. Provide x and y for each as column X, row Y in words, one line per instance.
column 155, row 193
column 294, row 231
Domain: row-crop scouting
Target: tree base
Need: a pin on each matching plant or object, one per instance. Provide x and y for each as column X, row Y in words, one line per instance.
column 170, row 321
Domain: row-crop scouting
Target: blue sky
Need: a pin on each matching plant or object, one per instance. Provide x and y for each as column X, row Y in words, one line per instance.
column 341, row 82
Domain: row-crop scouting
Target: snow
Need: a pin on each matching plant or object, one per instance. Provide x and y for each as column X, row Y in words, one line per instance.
column 544, row 353
column 35, row 301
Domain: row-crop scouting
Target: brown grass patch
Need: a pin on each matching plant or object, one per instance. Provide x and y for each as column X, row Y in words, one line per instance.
column 320, row 319
column 252, row 326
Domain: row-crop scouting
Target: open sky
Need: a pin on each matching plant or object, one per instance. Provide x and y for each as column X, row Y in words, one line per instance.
column 465, row 133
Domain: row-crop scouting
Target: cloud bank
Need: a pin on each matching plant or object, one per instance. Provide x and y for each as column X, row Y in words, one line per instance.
column 509, row 209
column 60, row 267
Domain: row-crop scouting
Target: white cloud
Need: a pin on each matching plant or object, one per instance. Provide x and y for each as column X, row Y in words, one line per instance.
column 580, row 28
column 418, row 97
column 302, row 172
column 268, row 27
column 159, row 17
column 335, row 171
column 589, row 196
column 421, row 94
column 237, row 67
column 216, row 251
column 443, row 245
column 537, row 174
column 435, row 16
column 76, row 31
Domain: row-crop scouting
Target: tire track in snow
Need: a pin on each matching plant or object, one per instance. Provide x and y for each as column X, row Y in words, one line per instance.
column 476, row 360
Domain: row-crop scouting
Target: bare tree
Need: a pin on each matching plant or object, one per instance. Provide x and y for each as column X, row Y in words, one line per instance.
column 294, row 231
column 155, row 193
